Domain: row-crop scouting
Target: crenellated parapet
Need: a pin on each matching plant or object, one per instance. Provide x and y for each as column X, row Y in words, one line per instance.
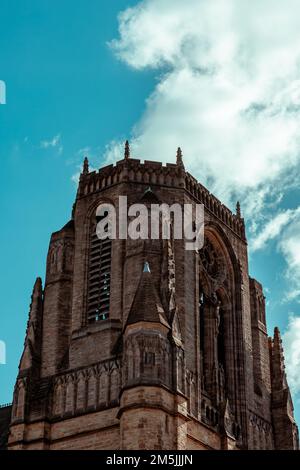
column 130, row 170
column 213, row 205
column 134, row 171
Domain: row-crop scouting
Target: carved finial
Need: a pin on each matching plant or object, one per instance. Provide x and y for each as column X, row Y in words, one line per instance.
column 179, row 160
column 32, row 344
column 37, row 294
column 279, row 381
column 127, row 150
column 277, row 336
column 85, row 166
column 146, row 267
column 238, row 209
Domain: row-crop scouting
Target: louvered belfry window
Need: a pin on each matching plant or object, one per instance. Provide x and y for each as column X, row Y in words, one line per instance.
column 99, row 277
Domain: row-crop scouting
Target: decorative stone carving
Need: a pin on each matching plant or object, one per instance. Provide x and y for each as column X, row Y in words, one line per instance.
column 61, row 257
column 94, row 387
column 212, row 263
column 19, row 400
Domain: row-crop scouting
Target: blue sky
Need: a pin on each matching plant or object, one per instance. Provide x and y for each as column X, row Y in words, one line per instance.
column 211, row 85
column 62, row 80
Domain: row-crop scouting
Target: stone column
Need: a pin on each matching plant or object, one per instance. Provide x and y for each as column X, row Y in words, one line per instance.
column 211, row 312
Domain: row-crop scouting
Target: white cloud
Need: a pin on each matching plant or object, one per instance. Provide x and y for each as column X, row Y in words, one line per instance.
column 114, row 151
column 229, row 89
column 54, row 142
column 84, row 152
column 284, row 227
column 75, row 177
column 291, row 341
column 81, row 154
column 228, row 92
column 290, row 247
column 275, row 227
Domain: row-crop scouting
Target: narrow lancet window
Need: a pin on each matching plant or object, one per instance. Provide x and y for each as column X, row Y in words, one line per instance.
column 99, row 277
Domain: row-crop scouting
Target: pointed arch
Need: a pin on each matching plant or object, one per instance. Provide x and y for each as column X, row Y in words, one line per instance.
column 219, row 310
column 98, row 275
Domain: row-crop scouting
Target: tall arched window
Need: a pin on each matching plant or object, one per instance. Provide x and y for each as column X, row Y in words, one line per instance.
column 201, row 314
column 99, row 275
column 212, row 321
column 221, row 338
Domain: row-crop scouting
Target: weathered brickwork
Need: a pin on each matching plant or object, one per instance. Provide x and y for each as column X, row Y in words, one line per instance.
column 180, row 358
column 5, row 417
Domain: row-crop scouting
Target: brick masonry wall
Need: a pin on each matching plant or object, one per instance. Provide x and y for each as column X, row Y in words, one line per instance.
column 76, row 394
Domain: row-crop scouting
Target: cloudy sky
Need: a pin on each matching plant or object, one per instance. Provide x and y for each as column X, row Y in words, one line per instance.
column 220, row 78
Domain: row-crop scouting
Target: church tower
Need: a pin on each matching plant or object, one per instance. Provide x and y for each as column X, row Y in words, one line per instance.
column 142, row 344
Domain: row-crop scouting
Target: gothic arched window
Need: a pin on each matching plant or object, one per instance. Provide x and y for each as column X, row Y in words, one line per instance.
column 212, row 320
column 99, row 275
column 221, row 338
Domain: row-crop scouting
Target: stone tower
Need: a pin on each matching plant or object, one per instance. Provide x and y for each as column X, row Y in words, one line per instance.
column 141, row 344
